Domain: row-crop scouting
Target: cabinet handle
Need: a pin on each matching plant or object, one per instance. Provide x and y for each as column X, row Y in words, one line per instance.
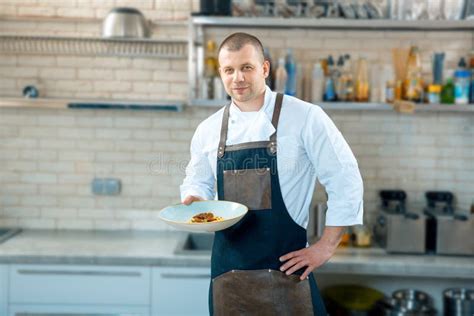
column 89, row 273
column 185, row 276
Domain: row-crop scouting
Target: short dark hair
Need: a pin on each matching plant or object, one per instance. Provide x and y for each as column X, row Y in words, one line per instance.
column 234, row 42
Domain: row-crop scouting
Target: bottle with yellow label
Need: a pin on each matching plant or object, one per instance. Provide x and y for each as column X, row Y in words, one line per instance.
column 362, row 88
column 210, row 70
column 413, row 85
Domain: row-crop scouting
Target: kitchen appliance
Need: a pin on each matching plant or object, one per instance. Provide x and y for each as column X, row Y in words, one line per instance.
column 396, row 229
column 449, row 231
column 406, row 302
column 215, row 7
column 458, row 302
column 125, row 23
column 317, row 221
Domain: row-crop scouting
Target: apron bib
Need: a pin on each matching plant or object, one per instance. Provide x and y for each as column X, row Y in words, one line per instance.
column 245, row 264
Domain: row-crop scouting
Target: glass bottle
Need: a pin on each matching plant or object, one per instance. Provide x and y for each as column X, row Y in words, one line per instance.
column 348, row 79
column 290, row 66
column 462, row 77
column 362, row 81
column 317, row 83
column 413, row 81
column 447, row 92
column 210, row 70
column 280, row 76
column 339, row 79
column 329, row 84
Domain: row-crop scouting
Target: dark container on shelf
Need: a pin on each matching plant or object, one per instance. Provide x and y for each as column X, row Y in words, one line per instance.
column 216, row 7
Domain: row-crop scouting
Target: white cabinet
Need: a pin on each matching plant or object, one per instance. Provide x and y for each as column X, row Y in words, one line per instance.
column 76, row 310
column 180, row 291
column 74, row 288
column 83, row 290
column 3, row 289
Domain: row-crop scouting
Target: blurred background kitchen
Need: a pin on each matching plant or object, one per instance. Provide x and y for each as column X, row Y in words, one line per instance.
column 98, row 104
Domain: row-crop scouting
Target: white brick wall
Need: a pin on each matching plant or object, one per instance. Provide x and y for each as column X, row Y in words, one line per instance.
column 48, row 158
column 403, row 152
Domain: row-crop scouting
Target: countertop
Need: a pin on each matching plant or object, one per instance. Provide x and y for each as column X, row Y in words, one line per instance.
column 147, row 248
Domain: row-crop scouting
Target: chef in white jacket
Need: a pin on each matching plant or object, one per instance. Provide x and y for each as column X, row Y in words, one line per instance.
column 266, row 150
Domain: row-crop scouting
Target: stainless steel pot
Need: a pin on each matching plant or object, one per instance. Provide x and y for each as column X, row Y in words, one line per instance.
column 125, row 23
column 390, row 306
column 407, row 302
column 458, row 302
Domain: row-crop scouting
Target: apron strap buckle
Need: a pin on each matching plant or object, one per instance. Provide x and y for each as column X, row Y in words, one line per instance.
column 220, row 152
column 273, row 147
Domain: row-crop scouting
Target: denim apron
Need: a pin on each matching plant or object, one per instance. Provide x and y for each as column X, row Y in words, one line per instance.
column 245, row 265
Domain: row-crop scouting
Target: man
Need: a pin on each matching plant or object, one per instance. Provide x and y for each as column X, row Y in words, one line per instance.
column 262, row 265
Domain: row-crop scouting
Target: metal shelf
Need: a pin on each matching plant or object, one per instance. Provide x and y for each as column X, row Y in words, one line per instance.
column 152, row 48
column 356, row 106
column 57, row 103
column 198, row 24
column 325, row 23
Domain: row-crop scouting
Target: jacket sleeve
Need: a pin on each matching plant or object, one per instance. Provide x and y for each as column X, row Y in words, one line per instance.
column 199, row 179
column 336, row 168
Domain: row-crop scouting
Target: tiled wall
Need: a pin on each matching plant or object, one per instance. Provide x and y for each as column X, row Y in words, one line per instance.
column 49, row 157
column 156, row 10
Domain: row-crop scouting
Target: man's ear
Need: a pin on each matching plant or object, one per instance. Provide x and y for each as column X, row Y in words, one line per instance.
column 266, row 68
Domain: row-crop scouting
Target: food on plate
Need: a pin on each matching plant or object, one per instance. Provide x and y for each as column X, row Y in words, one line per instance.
column 206, row 217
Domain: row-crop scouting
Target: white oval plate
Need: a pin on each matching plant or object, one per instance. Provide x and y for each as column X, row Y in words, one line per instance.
column 179, row 215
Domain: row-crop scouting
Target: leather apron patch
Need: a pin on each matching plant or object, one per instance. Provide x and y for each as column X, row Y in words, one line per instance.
column 261, row 292
column 251, row 187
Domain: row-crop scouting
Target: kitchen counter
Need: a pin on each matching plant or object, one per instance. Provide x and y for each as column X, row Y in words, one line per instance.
column 147, row 248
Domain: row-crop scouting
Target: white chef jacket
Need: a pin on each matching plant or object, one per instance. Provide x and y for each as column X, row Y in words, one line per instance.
column 309, row 147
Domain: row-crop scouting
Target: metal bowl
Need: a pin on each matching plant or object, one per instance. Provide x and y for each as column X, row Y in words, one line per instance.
column 413, row 295
column 125, row 23
column 390, row 306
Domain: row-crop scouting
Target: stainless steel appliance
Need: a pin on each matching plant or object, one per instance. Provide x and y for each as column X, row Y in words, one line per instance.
column 397, row 229
column 406, row 302
column 449, row 231
column 317, row 221
column 458, row 302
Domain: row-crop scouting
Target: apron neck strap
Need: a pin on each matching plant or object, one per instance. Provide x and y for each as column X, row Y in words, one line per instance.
column 224, row 128
column 225, row 125
column 276, row 116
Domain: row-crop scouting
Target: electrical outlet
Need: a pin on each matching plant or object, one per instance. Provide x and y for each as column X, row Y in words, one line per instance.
column 112, row 186
column 106, row 186
column 98, row 186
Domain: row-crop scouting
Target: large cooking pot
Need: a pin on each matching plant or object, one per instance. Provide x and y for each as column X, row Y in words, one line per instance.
column 125, row 23
column 390, row 306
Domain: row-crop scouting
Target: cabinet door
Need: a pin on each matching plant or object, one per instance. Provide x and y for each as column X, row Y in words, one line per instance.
column 3, row 289
column 76, row 310
column 180, row 291
column 72, row 284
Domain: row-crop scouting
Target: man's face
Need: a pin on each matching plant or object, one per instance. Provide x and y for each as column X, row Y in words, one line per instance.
column 243, row 73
